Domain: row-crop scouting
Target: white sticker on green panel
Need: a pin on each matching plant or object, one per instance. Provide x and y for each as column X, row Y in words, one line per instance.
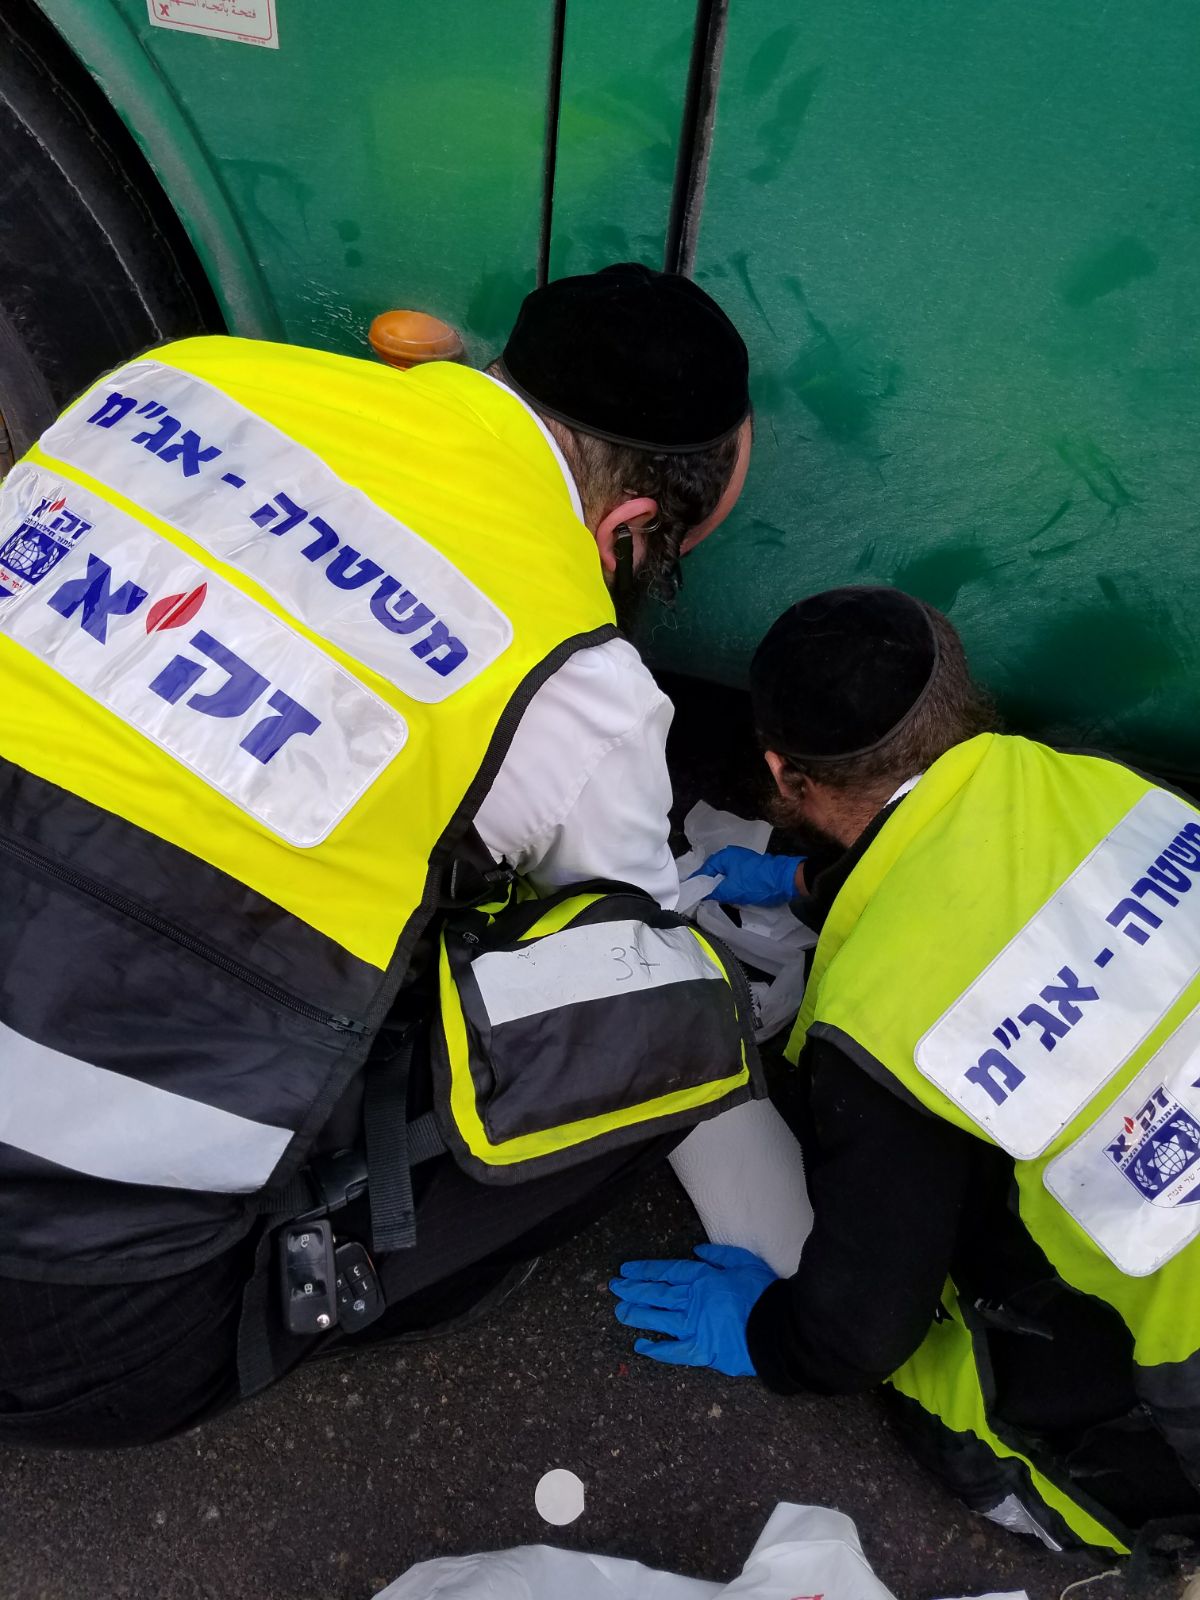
column 242, row 21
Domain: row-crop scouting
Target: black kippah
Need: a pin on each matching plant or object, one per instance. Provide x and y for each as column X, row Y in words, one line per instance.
column 839, row 672
column 637, row 356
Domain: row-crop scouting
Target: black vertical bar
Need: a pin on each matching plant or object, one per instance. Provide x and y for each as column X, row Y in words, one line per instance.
column 695, row 134
column 558, row 33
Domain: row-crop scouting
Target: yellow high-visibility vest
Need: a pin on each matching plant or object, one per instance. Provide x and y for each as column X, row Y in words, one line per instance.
column 1018, row 949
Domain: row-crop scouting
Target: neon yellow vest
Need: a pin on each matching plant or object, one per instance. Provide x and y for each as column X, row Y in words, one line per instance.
column 275, row 613
column 1018, row 947
column 319, row 455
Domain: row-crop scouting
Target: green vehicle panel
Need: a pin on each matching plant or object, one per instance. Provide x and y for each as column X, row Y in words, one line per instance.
column 961, row 242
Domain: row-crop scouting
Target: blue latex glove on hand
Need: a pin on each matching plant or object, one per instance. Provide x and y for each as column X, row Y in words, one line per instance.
column 703, row 1305
column 751, row 879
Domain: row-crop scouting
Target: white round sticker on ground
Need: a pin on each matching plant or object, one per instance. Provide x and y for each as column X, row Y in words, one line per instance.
column 559, row 1497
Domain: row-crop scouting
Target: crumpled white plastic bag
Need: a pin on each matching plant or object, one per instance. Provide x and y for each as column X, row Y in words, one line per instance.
column 803, row 1553
column 768, row 937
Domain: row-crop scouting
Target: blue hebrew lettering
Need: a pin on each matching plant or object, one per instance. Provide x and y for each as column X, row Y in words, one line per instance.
column 325, row 541
column 186, row 450
column 1165, row 871
column 1007, row 1027
column 996, row 1075
column 151, row 408
column 98, row 600
column 1053, row 1028
column 290, row 514
column 440, row 638
column 1133, row 908
column 389, row 604
column 153, row 439
column 241, row 688
column 268, row 737
column 177, row 677
column 1068, row 994
column 113, row 408
column 1146, row 886
column 339, row 574
column 1182, row 850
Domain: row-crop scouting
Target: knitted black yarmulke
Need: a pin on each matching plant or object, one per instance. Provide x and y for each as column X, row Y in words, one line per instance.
column 838, row 672
column 637, row 356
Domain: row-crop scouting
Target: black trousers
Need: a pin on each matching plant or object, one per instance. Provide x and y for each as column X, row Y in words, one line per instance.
column 115, row 1365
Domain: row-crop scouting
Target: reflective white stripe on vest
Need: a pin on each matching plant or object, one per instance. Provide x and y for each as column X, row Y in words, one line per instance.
column 92, row 1120
column 221, row 684
column 264, row 503
column 1132, row 1181
column 591, row 963
column 1053, row 1017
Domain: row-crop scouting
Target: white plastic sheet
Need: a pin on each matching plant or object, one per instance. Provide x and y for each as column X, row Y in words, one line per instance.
column 744, row 1173
column 767, row 937
column 804, row 1552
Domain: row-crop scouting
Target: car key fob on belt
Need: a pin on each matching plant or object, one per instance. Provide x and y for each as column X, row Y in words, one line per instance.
column 359, row 1294
column 307, row 1277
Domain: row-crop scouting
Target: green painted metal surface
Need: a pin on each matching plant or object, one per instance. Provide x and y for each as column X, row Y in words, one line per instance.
column 624, row 74
column 961, row 240
column 962, row 243
column 384, row 155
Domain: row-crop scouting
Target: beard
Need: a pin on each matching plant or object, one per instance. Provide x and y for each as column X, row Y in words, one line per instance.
column 803, row 836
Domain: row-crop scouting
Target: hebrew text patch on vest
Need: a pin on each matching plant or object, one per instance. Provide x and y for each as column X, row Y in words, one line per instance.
column 263, row 502
column 1069, row 999
column 1132, row 1181
column 192, row 663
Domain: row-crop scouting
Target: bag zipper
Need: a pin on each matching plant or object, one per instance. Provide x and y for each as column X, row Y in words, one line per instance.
column 186, row 941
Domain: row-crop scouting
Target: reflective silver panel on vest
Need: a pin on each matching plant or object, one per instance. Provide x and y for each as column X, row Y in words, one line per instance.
column 1067, row 1001
column 588, row 963
column 1132, row 1181
column 252, row 707
column 92, row 1120
column 259, row 500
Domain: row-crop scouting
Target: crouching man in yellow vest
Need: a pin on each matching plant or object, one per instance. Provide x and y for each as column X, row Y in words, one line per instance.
column 295, row 650
column 999, row 1053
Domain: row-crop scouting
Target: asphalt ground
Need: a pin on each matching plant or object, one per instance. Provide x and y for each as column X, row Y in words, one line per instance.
column 332, row 1484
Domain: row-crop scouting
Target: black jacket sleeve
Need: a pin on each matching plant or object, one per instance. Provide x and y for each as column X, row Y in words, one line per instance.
column 888, row 1185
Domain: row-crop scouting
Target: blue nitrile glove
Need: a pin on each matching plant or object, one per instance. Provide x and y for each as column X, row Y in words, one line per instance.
column 703, row 1305
column 751, row 879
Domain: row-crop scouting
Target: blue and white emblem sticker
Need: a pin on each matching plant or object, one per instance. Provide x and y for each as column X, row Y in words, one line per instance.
column 47, row 529
column 220, row 683
column 1132, row 1181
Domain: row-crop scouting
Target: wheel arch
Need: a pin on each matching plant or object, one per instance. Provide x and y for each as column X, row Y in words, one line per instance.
column 96, row 60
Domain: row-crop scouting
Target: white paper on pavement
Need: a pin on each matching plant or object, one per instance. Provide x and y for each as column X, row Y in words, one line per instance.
column 803, row 1550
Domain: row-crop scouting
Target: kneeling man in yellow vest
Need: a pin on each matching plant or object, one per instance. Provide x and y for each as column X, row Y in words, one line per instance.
column 998, row 1089
column 312, row 686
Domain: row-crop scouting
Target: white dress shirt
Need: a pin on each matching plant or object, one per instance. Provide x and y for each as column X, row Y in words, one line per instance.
column 583, row 791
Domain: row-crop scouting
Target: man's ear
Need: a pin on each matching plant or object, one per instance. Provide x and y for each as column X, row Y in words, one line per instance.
column 789, row 783
column 631, row 514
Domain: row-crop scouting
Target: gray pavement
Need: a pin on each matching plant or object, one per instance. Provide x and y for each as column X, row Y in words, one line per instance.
column 335, row 1482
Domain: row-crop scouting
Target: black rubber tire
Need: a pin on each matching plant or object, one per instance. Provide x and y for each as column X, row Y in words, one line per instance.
column 93, row 268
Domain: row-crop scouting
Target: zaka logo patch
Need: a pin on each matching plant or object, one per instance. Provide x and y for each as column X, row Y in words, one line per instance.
column 34, row 548
column 1158, row 1150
